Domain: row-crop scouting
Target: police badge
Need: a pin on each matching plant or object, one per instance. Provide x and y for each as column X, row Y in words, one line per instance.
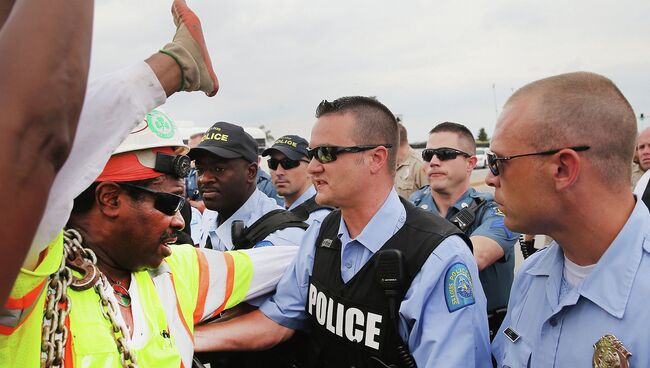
column 609, row 352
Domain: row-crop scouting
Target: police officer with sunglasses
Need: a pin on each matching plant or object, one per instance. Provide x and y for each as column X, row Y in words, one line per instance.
column 288, row 165
column 450, row 155
column 431, row 315
column 560, row 166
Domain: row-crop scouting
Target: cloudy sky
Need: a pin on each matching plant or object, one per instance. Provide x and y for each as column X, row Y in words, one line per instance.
column 430, row 61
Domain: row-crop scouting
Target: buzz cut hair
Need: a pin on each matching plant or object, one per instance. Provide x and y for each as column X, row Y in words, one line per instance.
column 583, row 108
column 466, row 138
column 374, row 123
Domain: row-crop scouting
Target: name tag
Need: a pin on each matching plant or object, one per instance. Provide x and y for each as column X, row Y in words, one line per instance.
column 511, row 334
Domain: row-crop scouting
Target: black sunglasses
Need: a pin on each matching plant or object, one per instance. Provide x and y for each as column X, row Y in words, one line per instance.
column 493, row 159
column 167, row 203
column 286, row 163
column 443, row 154
column 327, row 154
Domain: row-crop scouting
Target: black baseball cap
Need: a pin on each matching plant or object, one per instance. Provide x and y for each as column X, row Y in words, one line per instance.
column 292, row 146
column 228, row 141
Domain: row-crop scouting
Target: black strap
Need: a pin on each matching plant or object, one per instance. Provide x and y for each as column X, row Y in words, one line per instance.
column 646, row 195
column 265, row 225
column 305, row 208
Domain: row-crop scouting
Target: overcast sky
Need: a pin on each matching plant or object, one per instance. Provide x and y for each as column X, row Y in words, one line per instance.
column 430, row 61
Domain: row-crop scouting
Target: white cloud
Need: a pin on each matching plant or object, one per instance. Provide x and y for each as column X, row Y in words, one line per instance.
column 429, row 61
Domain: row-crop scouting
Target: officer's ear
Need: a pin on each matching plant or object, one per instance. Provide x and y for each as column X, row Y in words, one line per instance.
column 251, row 172
column 471, row 163
column 378, row 159
column 565, row 167
column 107, row 198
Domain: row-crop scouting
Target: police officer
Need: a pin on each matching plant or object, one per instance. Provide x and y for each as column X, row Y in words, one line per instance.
column 331, row 286
column 411, row 171
column 451, row 157
column 567, row 141
column 226, row 164
column 642, row 156
column 288, row 164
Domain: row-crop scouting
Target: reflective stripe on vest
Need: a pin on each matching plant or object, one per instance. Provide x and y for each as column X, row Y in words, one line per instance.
column 240, row 273
column 20, row 335
column 169, row 297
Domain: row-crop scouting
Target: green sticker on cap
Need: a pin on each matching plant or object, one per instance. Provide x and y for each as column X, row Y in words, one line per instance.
column 160, row 124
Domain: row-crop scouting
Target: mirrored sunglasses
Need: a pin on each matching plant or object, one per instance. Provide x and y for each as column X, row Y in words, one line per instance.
column 325, row 154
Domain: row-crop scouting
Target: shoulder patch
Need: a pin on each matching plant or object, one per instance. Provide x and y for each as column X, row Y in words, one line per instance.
column 263, row 243
column 499, row 223
column 459, row 291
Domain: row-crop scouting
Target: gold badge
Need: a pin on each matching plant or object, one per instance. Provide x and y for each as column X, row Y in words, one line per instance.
column 609, row 352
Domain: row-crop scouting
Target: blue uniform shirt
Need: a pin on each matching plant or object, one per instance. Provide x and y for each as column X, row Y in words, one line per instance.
column 316, row 215
column 435, row 336
column 195, row 225
column 556, row 331
column 496, row 278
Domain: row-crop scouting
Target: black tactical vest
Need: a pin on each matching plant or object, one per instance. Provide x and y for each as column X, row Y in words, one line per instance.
column 350, row 322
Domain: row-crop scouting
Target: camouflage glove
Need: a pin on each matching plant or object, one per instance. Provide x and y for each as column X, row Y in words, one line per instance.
column 189, row 50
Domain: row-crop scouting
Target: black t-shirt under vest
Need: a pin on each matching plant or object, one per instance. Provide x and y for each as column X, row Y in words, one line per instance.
column 350, row 322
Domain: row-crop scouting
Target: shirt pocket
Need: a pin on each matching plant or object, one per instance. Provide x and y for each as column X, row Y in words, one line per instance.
column 517, row 355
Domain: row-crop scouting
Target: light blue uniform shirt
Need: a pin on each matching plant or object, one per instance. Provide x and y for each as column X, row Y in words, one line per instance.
column 316, row 215
column 435, row 336
column 256, row 206
column 559, row 331
column 195, row 225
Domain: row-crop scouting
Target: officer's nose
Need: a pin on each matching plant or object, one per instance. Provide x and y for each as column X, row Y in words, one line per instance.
column 434, row 161
column 204, row 177
column 314, row 166
column 492, row 180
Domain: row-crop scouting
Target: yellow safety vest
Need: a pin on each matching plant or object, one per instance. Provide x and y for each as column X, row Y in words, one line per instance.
column 22, row 316
column 91, row 342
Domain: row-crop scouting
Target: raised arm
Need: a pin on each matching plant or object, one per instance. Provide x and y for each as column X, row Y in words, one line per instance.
column 45, row 55
column 114, row 104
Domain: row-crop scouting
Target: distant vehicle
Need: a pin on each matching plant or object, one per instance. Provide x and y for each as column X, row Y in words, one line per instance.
column 481, row 158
